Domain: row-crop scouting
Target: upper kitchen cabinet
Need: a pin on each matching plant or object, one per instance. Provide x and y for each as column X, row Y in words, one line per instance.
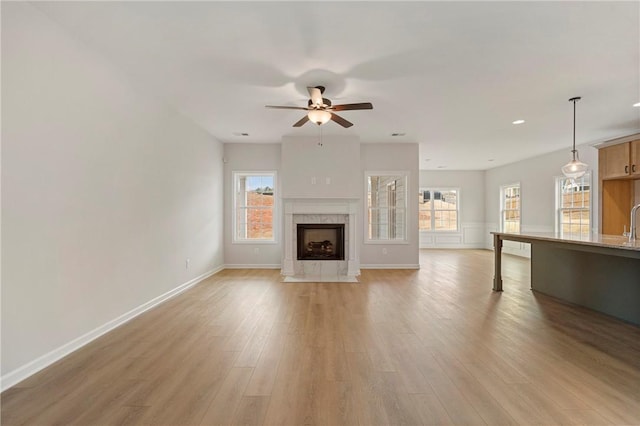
column 635, row 158
column 620, row 161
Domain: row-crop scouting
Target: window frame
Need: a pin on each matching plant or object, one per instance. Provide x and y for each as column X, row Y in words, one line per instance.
column 503, row 189
column 586, row 178
column 274, row 208
column 433, row 190
column 403, row 174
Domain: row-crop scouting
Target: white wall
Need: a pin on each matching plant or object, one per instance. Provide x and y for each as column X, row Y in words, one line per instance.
column 329, row 170
column 471, row 233
column 104, row 196
column 391, row 157
column 537, row 188
column 251, row 158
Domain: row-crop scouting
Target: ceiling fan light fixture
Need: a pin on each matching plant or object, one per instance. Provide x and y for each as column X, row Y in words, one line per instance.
column 574, row 168
column 319, row 116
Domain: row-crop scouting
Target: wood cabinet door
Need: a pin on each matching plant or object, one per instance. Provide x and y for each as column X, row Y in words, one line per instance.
column 616, row 205
column 635, row 158
column 614, row 161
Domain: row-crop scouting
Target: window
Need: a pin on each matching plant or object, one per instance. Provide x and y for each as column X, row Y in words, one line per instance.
column 253, row 203
column 510, row 208
column 573, row 205
column 438, row 209
column 386, row 207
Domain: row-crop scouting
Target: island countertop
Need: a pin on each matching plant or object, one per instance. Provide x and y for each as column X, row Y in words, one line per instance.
column 592, row 239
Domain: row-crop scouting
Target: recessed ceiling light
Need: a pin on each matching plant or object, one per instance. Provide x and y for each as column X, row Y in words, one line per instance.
column 518, row 122
column 491, row 159
column 240, row 134
column 398, row 134
column 427, row 159
column 442, row 167
column 637, row 104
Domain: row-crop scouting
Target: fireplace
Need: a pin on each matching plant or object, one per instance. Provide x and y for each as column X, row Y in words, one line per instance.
column 320, row 211
column 320, row 241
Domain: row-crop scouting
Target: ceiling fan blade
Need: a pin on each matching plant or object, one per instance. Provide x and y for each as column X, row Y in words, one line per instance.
column 302, row 121
column 347, row 107
column 341, row 121
column 286, row 107
column 316, row 95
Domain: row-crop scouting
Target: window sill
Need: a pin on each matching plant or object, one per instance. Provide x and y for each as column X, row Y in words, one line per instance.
column 254, row 242
column 387, row 242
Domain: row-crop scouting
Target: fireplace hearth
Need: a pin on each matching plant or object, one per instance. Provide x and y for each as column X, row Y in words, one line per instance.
column 320, row 241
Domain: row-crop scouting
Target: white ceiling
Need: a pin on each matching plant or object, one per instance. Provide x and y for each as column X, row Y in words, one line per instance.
column 452, row 76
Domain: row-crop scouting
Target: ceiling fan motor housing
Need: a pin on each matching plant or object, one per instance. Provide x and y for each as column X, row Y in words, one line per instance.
column 326, row 103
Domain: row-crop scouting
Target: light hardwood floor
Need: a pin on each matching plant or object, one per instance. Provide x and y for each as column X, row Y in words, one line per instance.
column 434, row 346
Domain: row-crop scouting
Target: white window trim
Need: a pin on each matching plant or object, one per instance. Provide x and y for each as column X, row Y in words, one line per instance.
column 502, row 189
column 365, row 231
column 557, row 201
column 433, row 230
column 275, row 223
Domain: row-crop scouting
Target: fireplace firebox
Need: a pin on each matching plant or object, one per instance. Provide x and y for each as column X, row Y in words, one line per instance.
column 320, row 241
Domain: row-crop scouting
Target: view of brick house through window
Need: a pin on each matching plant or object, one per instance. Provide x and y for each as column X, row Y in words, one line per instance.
column 573, row 205
column 510, row 208
column 253, row 204
column 438, row 209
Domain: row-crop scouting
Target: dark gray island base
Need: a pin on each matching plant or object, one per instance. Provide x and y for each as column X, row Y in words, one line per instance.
column 600, row 272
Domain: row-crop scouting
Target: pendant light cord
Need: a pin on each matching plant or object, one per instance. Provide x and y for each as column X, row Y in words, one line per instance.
column 574, row 100
column 574, row 129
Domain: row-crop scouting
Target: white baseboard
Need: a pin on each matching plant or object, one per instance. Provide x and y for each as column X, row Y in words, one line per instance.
column 453, row 246
column 391, row 266
column 16, row 376
column 253, row 266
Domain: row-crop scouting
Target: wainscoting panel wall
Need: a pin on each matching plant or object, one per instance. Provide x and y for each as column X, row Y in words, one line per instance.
column 471, row 235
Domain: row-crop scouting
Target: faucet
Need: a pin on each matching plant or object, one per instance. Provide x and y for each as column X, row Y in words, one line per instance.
column 632, row 230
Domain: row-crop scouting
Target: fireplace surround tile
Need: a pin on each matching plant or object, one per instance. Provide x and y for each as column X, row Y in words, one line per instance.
column 301, row 211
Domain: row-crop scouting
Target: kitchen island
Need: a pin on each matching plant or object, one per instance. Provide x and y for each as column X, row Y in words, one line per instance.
column 600, row 272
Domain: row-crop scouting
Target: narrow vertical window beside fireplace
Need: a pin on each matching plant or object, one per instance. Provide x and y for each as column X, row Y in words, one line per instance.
column 320, row 241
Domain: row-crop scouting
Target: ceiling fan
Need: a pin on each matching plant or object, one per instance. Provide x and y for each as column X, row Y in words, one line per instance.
column 320, row 110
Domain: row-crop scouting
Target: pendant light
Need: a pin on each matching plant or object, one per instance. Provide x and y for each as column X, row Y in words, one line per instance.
column 574, row 168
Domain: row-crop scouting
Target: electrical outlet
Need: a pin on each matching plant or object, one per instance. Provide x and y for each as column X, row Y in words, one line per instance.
column 256, row 250
column 384, row 250
column 186, row 263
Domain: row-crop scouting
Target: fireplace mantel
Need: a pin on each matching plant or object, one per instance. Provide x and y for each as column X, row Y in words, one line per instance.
column 320, row 210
